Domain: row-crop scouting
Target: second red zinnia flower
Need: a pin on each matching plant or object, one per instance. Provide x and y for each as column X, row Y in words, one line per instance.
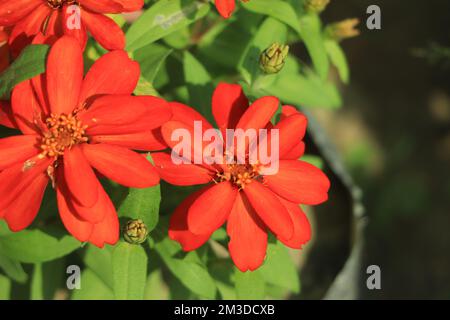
column 251, row 202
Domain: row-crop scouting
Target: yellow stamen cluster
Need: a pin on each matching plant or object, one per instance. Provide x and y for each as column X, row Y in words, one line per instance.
column 239, row 174
column 64, row 131
column 56, row 4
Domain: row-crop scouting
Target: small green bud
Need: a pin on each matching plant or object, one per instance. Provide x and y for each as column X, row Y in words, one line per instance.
column 342, row 30
column 316, row 6
column 272, row 59
column 135, row 232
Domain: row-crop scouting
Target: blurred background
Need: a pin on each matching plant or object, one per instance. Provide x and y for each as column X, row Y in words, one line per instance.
column 393, row 134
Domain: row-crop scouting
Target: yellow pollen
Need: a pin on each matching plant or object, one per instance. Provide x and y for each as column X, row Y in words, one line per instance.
column 63, row 132
column 239, row 174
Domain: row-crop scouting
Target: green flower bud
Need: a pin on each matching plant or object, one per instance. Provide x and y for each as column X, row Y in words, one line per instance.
column 342, row 30
column 135, row 232
column 272, row 59
column 316, row 6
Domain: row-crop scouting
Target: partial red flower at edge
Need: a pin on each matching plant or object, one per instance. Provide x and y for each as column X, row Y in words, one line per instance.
column 251, row 207
column 70, row 126
column 226, row 7
column 43, row 21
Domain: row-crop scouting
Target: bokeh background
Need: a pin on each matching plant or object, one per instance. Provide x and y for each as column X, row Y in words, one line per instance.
column 393, row 134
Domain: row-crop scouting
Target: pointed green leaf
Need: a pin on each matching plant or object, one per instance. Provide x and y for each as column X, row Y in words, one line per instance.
column 163, row 18
column 249, row 285
column 129, row 265
column 279, row 269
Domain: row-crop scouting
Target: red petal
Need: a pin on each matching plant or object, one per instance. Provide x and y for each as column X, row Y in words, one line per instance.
column 187, row 115
column 64, row 75
column 79, row 32
column 248, row 238
column 291, row 131
column 104, row 6
column 25, row 107
column 80, row 178
column 113, row 73
column 182, row 174
column 123, row 114
column 22, row 211
column 18, row 177
column 104, row 30
column 225, row 7
column 302, row 227
column 287, row 111
column 131, row 5
column 39, row 85
column 228, row 105
column 143, row 141
column 259, row 113
column 296, row 152
column 17, row 149
column 299, row 182
column 211, row 209
column 91, row 215
column 80, row 229
column 269, row 209
column 178, row 228
column 11, row 11
column 126, row 167
column 158, row 112
column 170, row 132
column 6, row 116
column 107, row 231
column 23, row 32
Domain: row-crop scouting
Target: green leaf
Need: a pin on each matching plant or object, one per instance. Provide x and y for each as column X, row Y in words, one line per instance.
column 225, row 42
column 37, row 292
column 150, row 59
column 163, row 18
column 270, row 31
column 199, row 85
column 301, row 89
column 249, row 285
column 311, row 33
column 189, row 270
column 99, row 261
column 92, row 288
column 5, row 288
column 222, row 271
column 129, row 264
column 338, row 58
column 280, row 10
column 279, row 269
column 36, row 246
column 142, row 204
column 30, row 63
column 155, row 288
column 13, row 269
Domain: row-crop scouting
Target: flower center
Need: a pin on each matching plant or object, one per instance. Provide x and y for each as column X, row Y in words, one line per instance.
column 63, row 132
column 239, row 174
column 56, row 4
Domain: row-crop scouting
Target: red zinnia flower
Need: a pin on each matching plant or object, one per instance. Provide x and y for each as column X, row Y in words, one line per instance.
column 226, row 7
column 71, row 125
column 239, row 194
column 42, row 20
